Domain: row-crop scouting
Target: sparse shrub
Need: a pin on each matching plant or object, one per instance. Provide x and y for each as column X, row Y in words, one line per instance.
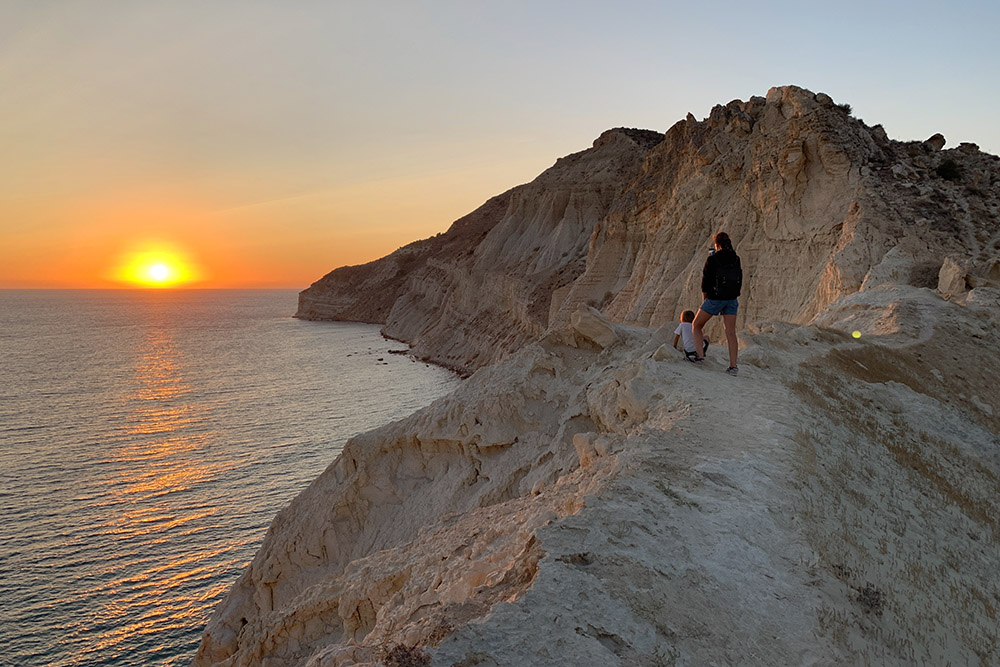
column 399, row 655
column 845, row 107
column 949, row 170
column 872, row 599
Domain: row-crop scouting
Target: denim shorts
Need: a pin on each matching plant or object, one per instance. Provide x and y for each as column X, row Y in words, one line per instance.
column 720, row 306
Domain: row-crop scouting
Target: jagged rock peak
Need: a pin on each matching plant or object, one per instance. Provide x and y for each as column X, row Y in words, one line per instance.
column 936, row 142
column 796, row 100
column 642, row 138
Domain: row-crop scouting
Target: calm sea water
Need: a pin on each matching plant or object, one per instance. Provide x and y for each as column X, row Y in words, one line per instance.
column 147, row 439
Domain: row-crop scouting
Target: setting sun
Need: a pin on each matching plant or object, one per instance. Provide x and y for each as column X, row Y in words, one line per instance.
column 159, row 272
column 156, row 265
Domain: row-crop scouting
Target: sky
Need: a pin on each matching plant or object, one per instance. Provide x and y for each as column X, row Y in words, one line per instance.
column 262, row 144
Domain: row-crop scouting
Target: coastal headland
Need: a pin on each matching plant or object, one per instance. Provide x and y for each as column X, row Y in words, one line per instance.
column 587, row 497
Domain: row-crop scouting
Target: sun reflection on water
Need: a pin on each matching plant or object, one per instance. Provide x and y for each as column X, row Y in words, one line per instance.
column 150, row 438
column 162, row 438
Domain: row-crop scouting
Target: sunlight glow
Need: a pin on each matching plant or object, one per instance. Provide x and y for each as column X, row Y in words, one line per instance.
column 156, row 265
column 159, row 272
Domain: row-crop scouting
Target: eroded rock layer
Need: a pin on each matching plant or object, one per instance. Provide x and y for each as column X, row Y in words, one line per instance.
column 592, row 498
column 473, row 294
column 595, row 499
column 819, row 204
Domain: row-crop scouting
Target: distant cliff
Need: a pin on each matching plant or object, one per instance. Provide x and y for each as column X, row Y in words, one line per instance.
column 818, row 203
column 484, row 288
column 590, row 498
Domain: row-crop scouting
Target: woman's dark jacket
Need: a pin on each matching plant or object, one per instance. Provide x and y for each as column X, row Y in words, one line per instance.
column 722, row 277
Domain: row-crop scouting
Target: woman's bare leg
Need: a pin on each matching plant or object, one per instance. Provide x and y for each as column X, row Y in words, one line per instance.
column 729, row 321
column 700, row 318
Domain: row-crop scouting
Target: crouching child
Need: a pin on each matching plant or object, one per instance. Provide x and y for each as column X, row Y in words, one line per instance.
column 684, row 332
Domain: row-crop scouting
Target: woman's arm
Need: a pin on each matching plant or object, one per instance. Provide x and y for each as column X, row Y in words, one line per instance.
column 707, row 276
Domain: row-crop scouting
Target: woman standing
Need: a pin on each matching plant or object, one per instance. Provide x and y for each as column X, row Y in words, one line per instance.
column 721, row 282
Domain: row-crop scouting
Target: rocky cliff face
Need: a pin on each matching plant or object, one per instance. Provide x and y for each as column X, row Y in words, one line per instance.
column 819, row 205
column 594, row 499
column 484, row 288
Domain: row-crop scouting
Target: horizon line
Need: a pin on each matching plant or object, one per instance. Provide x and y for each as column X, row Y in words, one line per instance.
column 144, row 289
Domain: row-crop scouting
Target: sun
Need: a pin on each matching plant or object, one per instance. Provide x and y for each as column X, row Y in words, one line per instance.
column 157, row 265
column 159, row 272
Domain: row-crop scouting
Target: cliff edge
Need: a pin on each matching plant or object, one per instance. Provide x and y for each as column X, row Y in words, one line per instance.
column 820, row 205
column 483, row 289
column 587, row 497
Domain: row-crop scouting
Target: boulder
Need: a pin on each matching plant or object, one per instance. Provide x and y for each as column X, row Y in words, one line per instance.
column 935, row 142
column 952, row 277
column 895, row 268
column 590, row 324
column 665, row 353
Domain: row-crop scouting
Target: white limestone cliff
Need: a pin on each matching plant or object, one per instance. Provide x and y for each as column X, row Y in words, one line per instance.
column 818, row 203
column 479, row 291
column 586, row 505
column 587, row 497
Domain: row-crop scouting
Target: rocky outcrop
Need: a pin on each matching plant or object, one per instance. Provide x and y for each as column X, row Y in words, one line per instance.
column 820, row 205
column 484, row 288
column 368, row 292
column 597, row 500
column 592, row 498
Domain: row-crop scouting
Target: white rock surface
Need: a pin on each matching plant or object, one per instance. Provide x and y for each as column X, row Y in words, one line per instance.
column 835, row 503
column 588, row 324
column 592, row 498
column 819, row 205
column 484, row 288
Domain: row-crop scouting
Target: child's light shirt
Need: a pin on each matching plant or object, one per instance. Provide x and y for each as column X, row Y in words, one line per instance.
column 687, row 335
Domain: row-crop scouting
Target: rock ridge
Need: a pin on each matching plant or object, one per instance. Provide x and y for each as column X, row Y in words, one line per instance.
column 517, row 249
column 594, row 499
column 819, row 204
column 588, row 497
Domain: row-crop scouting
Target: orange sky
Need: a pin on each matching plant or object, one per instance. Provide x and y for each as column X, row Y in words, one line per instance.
column 266, row 143
column 285, row 241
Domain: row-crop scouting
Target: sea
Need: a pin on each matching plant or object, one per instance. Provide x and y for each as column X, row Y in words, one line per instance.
column 147, row 440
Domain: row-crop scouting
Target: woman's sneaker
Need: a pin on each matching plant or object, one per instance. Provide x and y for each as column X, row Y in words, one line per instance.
column 733, row 370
